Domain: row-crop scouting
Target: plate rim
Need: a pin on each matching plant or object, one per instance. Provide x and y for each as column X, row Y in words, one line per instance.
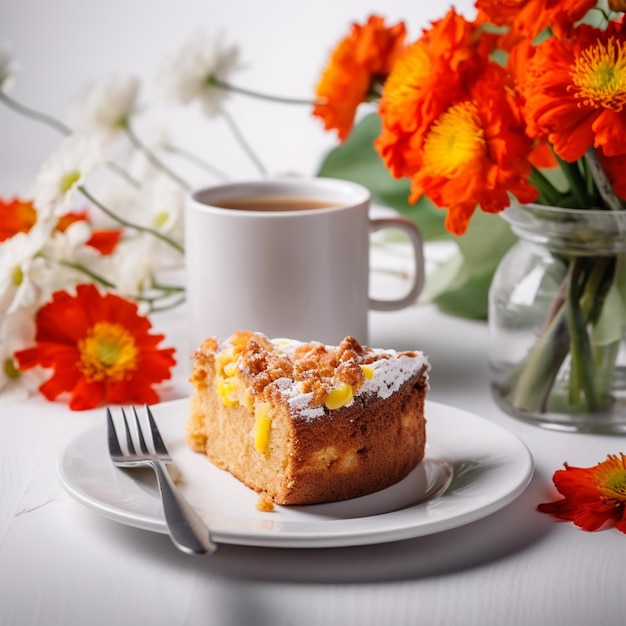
column 360, row 534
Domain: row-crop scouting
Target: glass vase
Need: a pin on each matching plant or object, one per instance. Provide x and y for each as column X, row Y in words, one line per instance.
column 557, row 319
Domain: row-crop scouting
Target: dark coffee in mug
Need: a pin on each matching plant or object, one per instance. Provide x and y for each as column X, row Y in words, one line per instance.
column 274, row 203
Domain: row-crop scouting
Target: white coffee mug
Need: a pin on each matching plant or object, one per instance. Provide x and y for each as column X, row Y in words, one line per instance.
column 286, row 257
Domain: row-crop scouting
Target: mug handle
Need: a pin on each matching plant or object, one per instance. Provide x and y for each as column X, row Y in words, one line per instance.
column 407, row 226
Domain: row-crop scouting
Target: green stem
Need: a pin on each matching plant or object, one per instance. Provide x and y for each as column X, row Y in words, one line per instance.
column 196, row 160
column 243, row 143
column 548, row 194
column 84, row 270
column 212, row 81
column 35, row 115
column 154, row 160
column 122, row 173
column 167, row 307
column 537, row 373
column 61, row 128
column 603, row 184
column 582, row 368
column 578, row 187
column 128, row 224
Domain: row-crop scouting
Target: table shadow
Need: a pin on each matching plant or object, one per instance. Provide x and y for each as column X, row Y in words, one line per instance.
column 513, row 529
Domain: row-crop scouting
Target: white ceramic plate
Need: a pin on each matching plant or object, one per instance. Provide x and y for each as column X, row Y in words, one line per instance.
column 472, row 468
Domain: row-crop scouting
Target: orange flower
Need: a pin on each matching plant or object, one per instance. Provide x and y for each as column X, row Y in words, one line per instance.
column 451, row 124
column 99, row 349
column 475, row 153
column 432, row 74
column 103, row 240
column 580, row 102
column 16, row 216
column 359, row 61
column 20, row 216
column 592, row 496
column 517, row 62
column 527, row 18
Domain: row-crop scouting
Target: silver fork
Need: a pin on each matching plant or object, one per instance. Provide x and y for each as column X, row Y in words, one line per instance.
column 187, row 530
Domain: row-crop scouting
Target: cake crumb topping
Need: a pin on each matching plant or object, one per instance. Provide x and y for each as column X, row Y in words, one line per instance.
column 312, row 377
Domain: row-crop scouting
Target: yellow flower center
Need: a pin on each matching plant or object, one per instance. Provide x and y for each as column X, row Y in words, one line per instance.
column 409, row 73
column 160, row 219
column 599, row 76
column 69, row 180
column 10, row 370
column 455, row 139
column 610, row 476
column 17, row 276
column 108, row 352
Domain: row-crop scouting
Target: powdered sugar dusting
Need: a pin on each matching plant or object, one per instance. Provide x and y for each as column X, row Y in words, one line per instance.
column 391, row 369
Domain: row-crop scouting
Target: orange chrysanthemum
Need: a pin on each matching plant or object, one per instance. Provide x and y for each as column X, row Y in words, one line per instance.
column 475, row 154
column 527, row 18
column 99, row 348
column 16, row 216
column 581, row 101
column 433, row 73
column 361, row 59
column 450, row 122
column 517, row 62
column 593, row 496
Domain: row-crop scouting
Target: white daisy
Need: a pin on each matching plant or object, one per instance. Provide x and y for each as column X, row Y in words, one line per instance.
column 188, row 74
column 73, row 260
column 105, row 106
column 166, row 206
column 8, row 68
column 17, row 332
column 25, row 275
column 62, row 174
column 135, row 260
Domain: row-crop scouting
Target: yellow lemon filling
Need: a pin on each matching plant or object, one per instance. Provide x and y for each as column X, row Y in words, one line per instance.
column 338, row 397
column 262, row 425
column 368, row 372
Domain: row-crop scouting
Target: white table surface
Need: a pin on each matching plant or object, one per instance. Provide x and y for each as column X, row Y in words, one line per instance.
column 61, row 563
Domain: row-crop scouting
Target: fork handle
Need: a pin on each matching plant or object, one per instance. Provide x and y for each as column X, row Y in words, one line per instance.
column 186, row 527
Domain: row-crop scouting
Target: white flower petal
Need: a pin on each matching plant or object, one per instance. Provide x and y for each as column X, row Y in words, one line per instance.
column 63, row 172
column 185, row 75
column 8, row 68
column 17, row 332
column 105, row 106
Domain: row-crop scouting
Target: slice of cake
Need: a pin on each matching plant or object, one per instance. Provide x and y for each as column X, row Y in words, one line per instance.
column 304, row 423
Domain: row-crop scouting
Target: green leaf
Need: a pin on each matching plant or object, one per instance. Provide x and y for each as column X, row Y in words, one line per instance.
column 610, row 326
column 486, row 241
column 358, row 161
column 461, row 285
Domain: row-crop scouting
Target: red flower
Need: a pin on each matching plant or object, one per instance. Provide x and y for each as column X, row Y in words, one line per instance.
column 103, row 240
column 99, row 349
column 451, row 122
column 593, row 496
column 362, row 58
column 431, row 75
column 527, row 18
column 20, row 216
column 16, row 216
column 580, row 102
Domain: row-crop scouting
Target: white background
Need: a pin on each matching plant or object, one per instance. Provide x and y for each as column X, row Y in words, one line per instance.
column 62, row 45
